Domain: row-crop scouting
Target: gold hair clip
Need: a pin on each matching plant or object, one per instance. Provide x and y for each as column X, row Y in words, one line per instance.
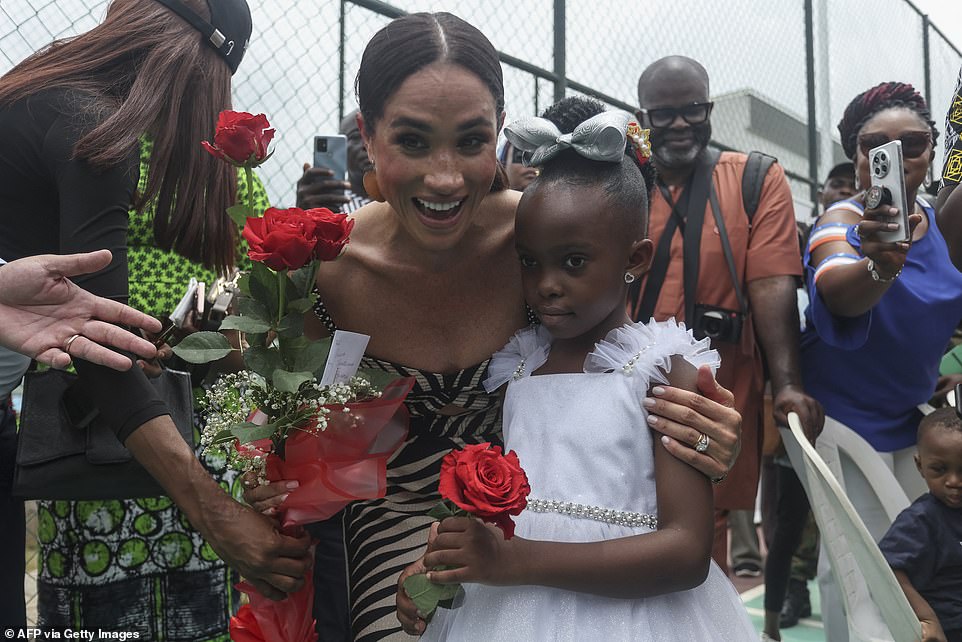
column 639, row 140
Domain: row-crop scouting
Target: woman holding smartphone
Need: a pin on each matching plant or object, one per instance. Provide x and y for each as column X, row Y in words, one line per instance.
column 881, row 313
column 102, row 150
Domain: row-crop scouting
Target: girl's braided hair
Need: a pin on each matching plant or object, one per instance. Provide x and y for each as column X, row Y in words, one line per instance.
column 888, row 95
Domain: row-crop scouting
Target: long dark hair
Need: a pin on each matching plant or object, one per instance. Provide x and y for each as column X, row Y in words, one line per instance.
column 411, row 43
column 148, row 73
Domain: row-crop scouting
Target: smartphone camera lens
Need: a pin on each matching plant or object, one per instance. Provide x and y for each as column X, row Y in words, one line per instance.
column 322, row 144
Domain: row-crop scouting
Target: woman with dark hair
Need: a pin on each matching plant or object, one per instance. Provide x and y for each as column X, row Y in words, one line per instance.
column 881, row 313
column 432, row 276
column 101, row 150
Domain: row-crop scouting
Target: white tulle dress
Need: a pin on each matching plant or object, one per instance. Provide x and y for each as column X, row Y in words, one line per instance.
column 584, row 443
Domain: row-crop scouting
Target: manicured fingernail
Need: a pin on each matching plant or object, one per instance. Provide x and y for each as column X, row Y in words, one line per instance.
column 665, row 440
column 422, row 616
column 653, row 420
column 648, row 402
column 430, row 576
column 891, row 226
column 657, row 391
column 283, row 497
column 291, row 485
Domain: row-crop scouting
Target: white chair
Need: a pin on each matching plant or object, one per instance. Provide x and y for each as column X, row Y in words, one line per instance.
column 877, row 609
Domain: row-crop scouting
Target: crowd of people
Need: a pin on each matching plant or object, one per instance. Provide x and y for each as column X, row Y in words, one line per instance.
column 599, row 291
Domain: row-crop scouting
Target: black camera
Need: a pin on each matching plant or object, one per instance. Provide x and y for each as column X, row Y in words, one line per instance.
column 718, row 324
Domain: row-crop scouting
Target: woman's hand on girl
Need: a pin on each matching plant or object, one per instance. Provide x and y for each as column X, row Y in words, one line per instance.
column 266, row 498
column 683, row 417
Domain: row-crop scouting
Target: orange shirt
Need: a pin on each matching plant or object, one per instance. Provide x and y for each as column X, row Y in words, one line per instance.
column 768, row 248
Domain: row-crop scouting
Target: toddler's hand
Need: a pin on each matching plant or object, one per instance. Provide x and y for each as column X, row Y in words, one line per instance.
column 265, row 499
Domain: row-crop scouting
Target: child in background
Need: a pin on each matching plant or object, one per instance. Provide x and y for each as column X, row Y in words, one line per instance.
column 924, row 544
column 615, row 542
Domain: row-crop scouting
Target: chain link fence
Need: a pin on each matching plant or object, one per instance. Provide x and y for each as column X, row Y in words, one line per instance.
column 303, row 57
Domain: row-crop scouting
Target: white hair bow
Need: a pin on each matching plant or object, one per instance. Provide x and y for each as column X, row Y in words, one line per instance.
column 602, row 137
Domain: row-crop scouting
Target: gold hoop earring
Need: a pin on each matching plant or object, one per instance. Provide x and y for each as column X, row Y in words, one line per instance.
column 372, row 187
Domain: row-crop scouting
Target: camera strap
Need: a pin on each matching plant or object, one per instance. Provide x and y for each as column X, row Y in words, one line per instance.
column 693, row 201
column 727, row 249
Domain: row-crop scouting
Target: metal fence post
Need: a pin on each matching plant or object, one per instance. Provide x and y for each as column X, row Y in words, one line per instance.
column 927, row 57
column 559, row 50
column 341, row 64
column 810, row 82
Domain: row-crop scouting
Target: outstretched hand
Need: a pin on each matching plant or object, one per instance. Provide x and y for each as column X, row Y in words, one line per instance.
column 682, row 417
column 40, row 309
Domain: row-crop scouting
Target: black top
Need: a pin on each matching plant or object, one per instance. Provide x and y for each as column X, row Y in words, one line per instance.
column 51, row 203
column 925, row 541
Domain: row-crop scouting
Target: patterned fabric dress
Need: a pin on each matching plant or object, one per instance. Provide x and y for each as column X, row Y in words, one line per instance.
column 383, row 536
column 137, row 565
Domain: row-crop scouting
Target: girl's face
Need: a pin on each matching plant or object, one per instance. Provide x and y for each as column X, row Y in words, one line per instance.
column 574, row 253
column 434, row 151
column 892, row 124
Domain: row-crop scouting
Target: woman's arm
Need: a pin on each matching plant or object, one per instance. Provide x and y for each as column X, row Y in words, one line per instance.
column 673, row 558
column 949, row 217
column 850, row 290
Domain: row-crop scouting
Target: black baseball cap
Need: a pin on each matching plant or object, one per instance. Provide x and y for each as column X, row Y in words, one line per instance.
column 229, row 29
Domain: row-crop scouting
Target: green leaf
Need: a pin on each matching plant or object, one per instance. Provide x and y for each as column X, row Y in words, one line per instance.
column 239, row 214
column 303, row 278
column 290, row 381
column 248, row 307
column 244, row 283
column 248, row 432
column 300, row 305
column 263, row 361
column 426, row 594
column 441, row 510
column 314, row 356
column 291, row 326
column 244, row 324
column 264, row 287
column 203, row 347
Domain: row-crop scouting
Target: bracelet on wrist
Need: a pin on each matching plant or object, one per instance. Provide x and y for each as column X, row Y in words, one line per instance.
column 876, row 276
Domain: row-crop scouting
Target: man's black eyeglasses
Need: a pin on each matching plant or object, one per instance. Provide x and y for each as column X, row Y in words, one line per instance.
column 693, row 114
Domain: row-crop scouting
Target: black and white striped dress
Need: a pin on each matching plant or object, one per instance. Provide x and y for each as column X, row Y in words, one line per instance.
column 383, row 536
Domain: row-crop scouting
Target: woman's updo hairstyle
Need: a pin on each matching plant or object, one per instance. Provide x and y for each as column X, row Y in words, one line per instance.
column 888, row 95
column 409, row 44
column 627, row 184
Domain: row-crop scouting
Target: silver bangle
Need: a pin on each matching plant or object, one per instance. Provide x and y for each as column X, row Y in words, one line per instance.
column 878, row 277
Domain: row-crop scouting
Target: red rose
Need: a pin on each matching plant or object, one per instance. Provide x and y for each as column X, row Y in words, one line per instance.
column 487, row 484
column 282, row 239
column 241, row 138
column 332, row 233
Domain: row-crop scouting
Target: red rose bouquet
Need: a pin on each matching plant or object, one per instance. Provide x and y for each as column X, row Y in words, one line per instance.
column 481, row 482
column 274, row 418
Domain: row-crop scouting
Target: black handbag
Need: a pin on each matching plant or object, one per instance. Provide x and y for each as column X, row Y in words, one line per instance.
column 66, row 453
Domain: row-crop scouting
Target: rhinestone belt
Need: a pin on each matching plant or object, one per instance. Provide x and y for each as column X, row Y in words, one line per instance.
column 607, row 515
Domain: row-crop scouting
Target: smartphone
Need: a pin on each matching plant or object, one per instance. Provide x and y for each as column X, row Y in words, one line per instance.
column 886, row 172
column 331, row 152
column 179, row 316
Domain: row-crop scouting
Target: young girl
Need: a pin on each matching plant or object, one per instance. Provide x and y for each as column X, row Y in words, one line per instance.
column 615, row 543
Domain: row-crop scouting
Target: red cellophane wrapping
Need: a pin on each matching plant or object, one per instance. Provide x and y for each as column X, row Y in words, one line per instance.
column 344, row 462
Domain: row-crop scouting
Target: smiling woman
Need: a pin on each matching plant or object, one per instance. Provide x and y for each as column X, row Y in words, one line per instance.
column 432, row 275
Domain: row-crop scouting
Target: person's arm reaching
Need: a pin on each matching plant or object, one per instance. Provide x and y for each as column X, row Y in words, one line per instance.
column 41, row 309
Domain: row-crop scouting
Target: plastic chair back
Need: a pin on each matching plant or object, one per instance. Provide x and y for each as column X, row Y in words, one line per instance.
column 876, row 607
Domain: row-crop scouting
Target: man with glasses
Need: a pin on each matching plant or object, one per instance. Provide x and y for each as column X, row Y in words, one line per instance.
column 737, row 282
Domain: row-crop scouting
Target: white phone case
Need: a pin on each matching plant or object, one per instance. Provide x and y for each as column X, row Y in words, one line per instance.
column 886, row 170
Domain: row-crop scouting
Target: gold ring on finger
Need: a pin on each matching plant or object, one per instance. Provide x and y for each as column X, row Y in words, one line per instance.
column 702, row 444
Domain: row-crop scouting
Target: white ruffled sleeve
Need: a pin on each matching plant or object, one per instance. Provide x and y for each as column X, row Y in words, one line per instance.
column 524, row 353
column 645, row 350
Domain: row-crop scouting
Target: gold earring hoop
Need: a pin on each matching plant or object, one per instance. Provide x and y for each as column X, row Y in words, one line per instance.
column 372, row 187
